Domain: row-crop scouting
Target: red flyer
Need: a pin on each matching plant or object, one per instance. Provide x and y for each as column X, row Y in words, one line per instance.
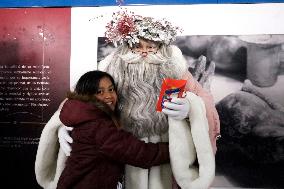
column 169, row 87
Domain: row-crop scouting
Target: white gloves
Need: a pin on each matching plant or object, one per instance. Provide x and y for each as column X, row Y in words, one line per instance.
column 65, row 139
column 177, row 109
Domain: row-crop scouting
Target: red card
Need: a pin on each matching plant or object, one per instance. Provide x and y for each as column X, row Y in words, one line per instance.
column 169, row 87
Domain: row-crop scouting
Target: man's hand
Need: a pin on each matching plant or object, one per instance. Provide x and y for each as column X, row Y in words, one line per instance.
column 177, row 109
column 65, row 139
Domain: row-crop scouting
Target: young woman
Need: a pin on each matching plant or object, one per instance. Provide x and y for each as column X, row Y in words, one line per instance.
column 100, row 148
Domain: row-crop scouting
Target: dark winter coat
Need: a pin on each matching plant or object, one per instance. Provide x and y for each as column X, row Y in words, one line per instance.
column 100, row 150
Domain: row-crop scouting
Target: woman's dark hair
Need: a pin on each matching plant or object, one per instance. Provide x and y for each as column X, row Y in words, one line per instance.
column 88, row 84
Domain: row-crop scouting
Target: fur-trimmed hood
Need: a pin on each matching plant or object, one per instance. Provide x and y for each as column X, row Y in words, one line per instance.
column 82, row 108
column 89, row 99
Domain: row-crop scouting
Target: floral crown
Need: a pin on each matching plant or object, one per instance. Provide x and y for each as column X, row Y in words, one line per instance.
column 126, row 27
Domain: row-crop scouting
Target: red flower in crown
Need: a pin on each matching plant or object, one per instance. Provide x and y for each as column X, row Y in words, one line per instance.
column 125, row 25
column 122, row 25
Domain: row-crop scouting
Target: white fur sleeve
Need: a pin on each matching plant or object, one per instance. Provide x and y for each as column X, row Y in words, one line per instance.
column 188, row 142
column 50, row 160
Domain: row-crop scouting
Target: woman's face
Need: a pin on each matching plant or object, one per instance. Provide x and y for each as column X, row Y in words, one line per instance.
column 144, row 47
column 107, row 93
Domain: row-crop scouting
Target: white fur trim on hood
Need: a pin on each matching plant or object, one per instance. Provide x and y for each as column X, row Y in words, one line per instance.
column 186, row 143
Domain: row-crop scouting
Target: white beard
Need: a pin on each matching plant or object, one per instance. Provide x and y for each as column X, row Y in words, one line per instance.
column 139, row 82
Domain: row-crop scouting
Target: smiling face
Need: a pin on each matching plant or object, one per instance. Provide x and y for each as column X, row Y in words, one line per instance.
column 106, row 92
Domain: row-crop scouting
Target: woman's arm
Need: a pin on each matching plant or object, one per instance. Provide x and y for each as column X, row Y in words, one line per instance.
column 122, row 146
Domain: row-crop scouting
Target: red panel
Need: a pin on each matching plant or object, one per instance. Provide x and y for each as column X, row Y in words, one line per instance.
column 39, row 38
column 34, row 78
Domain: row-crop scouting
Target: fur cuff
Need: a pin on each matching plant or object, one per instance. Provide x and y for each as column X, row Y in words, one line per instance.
column 186, row 143
column 50, row 160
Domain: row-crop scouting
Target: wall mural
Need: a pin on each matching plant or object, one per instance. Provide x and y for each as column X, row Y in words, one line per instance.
column 245, row 75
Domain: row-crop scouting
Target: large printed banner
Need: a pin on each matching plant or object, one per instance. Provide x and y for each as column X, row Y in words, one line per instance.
column 241, row 44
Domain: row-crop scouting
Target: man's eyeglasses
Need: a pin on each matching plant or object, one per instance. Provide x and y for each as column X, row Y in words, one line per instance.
column 145, row 49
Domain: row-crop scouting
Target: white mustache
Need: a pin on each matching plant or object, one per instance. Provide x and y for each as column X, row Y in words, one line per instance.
column 151, row 58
